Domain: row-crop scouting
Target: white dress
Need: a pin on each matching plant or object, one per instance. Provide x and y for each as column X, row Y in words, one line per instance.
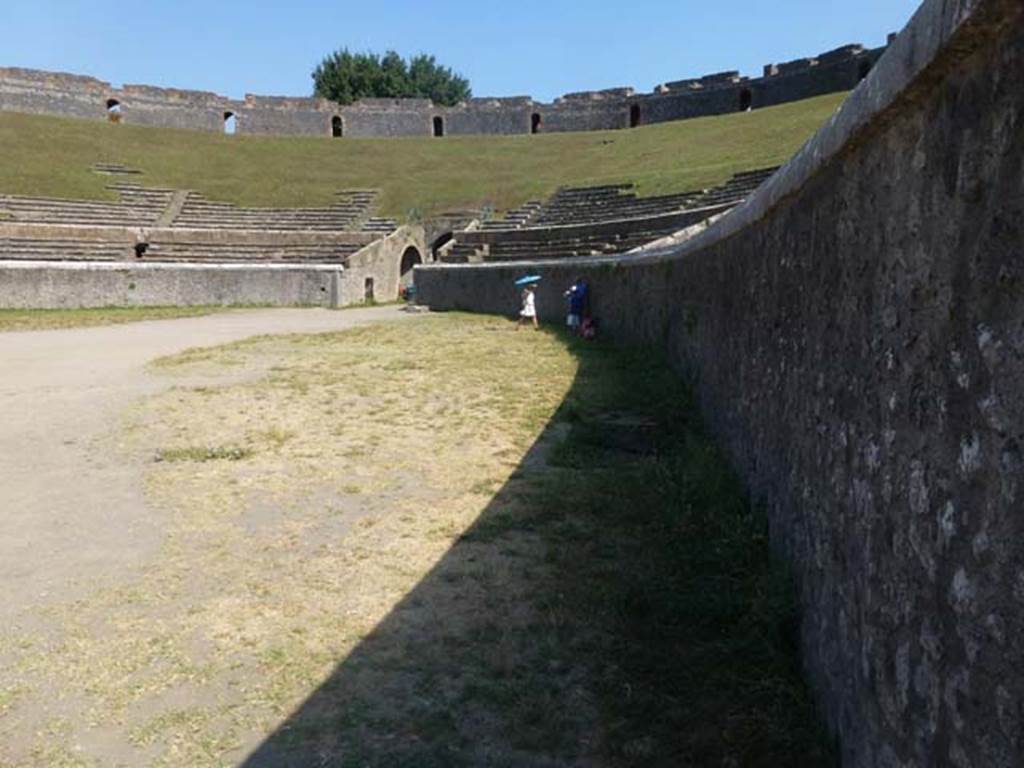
column 529, row 306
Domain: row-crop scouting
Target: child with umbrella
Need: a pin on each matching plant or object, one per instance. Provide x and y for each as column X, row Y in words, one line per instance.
column 528, row 313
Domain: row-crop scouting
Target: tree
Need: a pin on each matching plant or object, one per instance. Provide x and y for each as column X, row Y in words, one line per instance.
column 346, row 77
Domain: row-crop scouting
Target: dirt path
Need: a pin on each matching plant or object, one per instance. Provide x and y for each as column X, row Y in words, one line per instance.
column 72, row 514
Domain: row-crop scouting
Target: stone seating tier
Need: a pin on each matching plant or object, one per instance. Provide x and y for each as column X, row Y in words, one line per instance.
column 644, row 219
column 32, row 249
column 137, row 207
column 62, row 250
column 351, row 210
column 326, row 253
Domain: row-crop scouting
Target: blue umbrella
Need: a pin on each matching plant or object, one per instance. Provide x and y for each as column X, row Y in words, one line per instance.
column 528, row 280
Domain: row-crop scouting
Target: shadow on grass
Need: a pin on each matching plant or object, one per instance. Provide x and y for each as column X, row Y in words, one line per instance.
column 615, row 604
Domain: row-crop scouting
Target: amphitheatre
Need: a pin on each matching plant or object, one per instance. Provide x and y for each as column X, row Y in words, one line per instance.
column 283, row 485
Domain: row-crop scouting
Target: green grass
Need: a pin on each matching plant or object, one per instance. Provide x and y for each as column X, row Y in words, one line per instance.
column 53, row 156
column 662, row 550
column 199, row 454
column 51, row 319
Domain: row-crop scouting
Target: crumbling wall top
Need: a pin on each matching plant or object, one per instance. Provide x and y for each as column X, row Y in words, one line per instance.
column 602, row 95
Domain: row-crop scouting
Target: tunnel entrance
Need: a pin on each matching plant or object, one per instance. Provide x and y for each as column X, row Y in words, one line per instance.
column 634, row 116
column 535, row 121
column 113, row 110
column 410, row 258
column 438, row 127
column 337, row 127
column 746, row 100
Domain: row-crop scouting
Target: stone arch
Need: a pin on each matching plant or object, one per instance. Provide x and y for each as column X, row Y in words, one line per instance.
column 337, row 127
column 114, row 110
column 634, row 115
column 863, row 69
column 410, row 258
column 230, row 123
column 746, row 100
column 438, row 127
column 535, row 122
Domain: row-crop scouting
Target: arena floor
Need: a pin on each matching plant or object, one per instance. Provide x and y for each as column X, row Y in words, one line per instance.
column 301, row 537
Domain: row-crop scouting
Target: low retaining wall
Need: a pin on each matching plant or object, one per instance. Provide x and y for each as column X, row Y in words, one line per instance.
column 106, row 234
column 855, row 333
column 50, row 285
column 137, row 283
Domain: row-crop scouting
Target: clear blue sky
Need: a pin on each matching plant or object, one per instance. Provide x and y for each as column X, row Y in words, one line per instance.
column 506, row 48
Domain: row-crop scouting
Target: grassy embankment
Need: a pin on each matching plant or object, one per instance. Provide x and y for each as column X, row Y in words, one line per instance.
column 53, row 156
column 439, row 542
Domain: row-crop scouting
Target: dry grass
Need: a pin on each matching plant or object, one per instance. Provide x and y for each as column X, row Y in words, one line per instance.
column 357, row 459
column 53, row 319
column 369, row 560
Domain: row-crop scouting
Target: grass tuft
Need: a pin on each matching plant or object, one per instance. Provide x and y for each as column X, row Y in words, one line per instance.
column 54, row 319
column 204, row 453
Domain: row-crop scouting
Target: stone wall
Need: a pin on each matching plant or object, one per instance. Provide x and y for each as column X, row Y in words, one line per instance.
column 53, row 93
column 56, row 285
column 135, row 283
column 381, row 262
column 855, row 333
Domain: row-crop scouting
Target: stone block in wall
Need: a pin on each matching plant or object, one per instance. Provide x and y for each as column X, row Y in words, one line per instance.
column 720, row 78
column 607, row 93
column 843, row 53
column 692, row 84
column 796, row 65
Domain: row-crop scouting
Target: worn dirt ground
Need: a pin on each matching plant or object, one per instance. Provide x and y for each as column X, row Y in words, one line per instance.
column 191, row 542
column 430, row 543
column 70, row 513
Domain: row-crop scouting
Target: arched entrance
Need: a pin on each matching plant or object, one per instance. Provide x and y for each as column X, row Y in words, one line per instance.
column 634, row 116
column 535, row 121
column 438, row 127
column 114, row 110
column 337, row 127
column 410, row 258
column 746, row 100
column 230, row 123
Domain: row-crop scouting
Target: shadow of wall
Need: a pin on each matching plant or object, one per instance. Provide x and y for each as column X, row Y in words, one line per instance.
column 580, row 619
column 857, row 344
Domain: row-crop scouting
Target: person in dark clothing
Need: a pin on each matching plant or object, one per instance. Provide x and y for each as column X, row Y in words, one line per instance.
column 578, row 309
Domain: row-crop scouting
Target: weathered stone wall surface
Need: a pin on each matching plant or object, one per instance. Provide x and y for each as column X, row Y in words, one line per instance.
column 73, row 285
column 382, row 262
column 134, row 282
column 855, row 332
column 53, row 93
